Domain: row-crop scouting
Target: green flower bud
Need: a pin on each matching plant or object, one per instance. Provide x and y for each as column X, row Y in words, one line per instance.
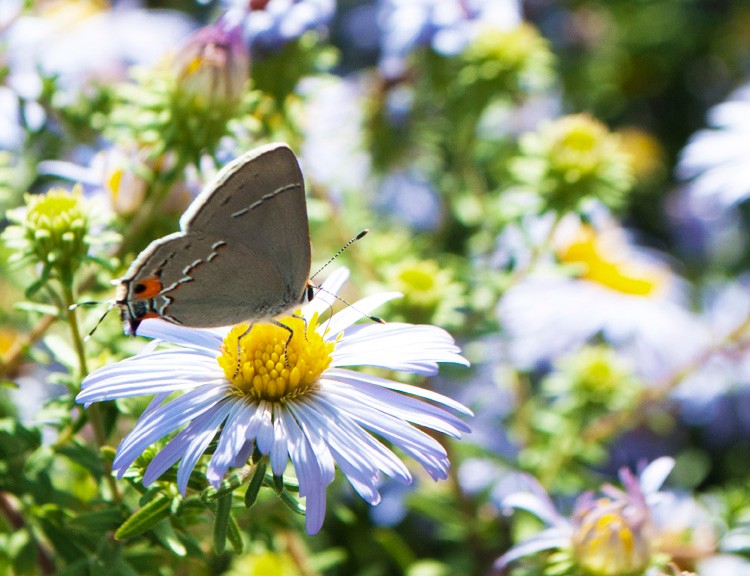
column 594, row 376
column 508, row 61
column 51, row 230
column 431, row 294
column 571, row 160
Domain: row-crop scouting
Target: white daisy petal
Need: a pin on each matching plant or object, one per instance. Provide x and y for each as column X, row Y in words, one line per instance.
column 420, row 446
column 244, row 454
column 358, row 441
column 198, row 444
column 319, row 447
column 231, row 441
column 280, row 447
column 164, row 420
column 350, row 376
column 546, row 540
column 397, row 346
column 206, row 340
column 351, row 314
column 400, row 406
column 123, row 385
column 265, row 434
column 204, row 425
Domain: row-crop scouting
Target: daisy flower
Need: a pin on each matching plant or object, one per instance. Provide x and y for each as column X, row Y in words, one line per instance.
column 602, row 287
column 608, row 536
column 716, row 160
column 300, row 404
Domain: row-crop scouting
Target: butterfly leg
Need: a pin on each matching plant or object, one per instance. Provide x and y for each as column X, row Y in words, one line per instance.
column 288, row 340
column 304, row 320
column 239, row 349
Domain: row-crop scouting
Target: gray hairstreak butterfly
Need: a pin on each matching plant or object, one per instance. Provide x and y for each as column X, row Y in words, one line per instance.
column 243, row 252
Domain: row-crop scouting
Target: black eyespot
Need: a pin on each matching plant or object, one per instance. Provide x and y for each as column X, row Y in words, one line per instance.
column 138, row 288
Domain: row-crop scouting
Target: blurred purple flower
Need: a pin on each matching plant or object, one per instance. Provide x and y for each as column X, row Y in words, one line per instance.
column 614, row 528
column 445, row 25
column 270, row 24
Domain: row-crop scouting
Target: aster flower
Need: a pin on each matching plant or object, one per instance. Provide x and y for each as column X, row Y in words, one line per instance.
column 608, row 536
column 716, row 160
column 299, row 404
column 606, row 288
column 212, row 66
column 571, row 161
column 271, row 24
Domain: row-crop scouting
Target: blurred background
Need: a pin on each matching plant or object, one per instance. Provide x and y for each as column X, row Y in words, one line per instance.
column 562, row 185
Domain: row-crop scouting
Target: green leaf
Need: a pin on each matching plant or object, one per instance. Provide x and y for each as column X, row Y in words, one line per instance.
column 144, row 519
column 255, row 483
column 221, row 521
column 291, row 501
column 165, row 533
column 97, row 521
column 235, row 538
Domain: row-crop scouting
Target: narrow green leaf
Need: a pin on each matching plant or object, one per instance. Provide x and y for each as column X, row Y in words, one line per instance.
column 221, row 521
column 144, row 519
column 27, row 306
column 255, row 483
column 235, row 538
column 166, row 535
column 278, row 484
column 292, row 502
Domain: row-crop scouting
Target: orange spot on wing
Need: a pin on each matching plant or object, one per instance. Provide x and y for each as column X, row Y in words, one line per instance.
column 147, row 288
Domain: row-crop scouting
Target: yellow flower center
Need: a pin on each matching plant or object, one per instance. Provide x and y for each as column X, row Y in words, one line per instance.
column 271, row 365
column 611, row 541
column 588, row 251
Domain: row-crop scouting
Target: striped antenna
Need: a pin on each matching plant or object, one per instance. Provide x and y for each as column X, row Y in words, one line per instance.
column 112, row 304
column 344, row 247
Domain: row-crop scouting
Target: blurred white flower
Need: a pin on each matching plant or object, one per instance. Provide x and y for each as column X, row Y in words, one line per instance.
column 716, row 160
column 333, row 151
column 81, row 40
column 602, row 287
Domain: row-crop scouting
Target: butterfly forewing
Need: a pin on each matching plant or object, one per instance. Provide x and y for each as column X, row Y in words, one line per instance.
column 258, row 200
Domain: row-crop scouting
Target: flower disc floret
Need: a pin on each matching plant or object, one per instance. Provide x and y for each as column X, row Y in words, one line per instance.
column 612, row 538
column 273, row 366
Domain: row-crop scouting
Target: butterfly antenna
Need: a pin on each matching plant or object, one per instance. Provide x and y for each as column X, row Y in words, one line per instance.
column 103, row 316
column 344, row 247
column 340, row 299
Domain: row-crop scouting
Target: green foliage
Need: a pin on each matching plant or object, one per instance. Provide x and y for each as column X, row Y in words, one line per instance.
column 498, row 145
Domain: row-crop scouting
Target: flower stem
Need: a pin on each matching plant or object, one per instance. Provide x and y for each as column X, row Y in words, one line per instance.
column 94, row 411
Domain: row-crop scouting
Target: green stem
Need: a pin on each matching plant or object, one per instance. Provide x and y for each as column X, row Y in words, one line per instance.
column 75, row 331
column 94, row 411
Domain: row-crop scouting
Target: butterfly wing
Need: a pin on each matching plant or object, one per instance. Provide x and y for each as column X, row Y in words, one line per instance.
column 203, row 281
column 258, row 201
